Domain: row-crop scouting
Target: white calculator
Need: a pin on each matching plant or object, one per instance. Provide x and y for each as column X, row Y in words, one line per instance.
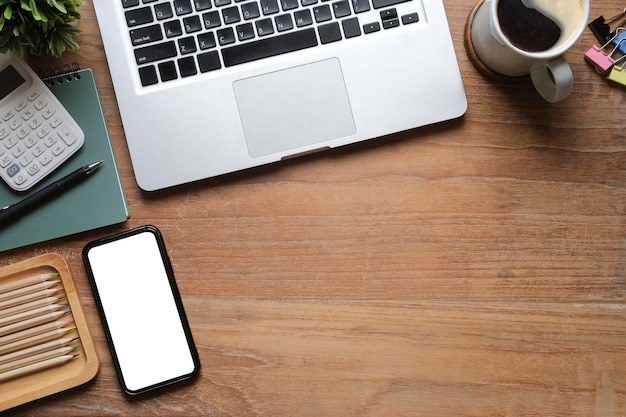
column 37, row 134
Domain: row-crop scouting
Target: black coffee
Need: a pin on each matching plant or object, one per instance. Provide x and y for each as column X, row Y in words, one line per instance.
column 526, row 28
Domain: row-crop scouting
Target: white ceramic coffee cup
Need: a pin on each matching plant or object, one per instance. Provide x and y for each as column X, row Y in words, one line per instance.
column 549, row 72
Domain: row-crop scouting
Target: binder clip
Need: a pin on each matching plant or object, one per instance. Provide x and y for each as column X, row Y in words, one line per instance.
column 618, row 73
column 601, row 61
column 601, row 29
column 618, row 41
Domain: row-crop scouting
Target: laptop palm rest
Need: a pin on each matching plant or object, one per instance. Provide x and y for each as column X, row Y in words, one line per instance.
column 294, row 108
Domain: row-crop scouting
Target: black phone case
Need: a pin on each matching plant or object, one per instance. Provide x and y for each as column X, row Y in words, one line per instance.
column 179, row 305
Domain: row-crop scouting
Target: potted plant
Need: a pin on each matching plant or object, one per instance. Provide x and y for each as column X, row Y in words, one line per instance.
column 42, row 26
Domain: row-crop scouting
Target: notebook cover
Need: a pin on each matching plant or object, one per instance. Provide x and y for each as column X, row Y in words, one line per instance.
column 96, row 202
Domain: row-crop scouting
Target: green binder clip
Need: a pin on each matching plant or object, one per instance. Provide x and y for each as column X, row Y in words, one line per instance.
column 618, row 73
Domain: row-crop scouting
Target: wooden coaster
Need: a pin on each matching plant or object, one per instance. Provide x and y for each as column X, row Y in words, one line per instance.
column 475, row 59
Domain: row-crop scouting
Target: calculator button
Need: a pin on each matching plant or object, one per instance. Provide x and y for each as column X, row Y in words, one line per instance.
column 39, row 149
column 42, row 132
column 26, row 159
column 68, row 136
column 5, row 161
column 58, row 149
column 10, row 142
column 23, row 132
column 4, row 132
column 34, row 168
column 56, row 121
column 20, row 179
column 40, row 103
column 46, row 158
column 35, row 122
column 33, row 95
column 13, row 169
column 30, row 141
column 8, row 115
column 15, row 123
column 48, row 112
column 50, row 140
column 21, row 105
column 18, row 150
column 28, row 113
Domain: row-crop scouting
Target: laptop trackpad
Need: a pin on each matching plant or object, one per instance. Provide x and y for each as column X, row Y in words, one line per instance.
column 295, row 107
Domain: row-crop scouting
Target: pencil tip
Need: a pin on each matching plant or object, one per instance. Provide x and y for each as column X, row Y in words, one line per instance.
column 53, row 274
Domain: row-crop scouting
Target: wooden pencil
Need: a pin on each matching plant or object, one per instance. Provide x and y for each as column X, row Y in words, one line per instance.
column 24, row 282
column 27, row 290
column 34, row 340
column 34, row 350
column 33, row 331
column 28, row 314
column 29, row 306
column 37, row 358
column 29, row 297
column 39, row 366
column 32, row 322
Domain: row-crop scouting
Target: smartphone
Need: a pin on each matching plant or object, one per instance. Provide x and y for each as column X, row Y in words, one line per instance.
column 141, row 310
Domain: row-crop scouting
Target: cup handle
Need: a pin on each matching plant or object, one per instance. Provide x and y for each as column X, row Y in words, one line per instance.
column 553, row 79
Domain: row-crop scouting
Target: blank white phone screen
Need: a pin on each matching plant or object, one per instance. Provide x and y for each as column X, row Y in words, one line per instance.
column 140, row 311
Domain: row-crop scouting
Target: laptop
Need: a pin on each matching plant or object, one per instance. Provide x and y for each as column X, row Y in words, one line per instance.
column 209, row 87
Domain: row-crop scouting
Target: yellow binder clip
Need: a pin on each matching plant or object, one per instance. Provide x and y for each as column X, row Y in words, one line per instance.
column 618, row 73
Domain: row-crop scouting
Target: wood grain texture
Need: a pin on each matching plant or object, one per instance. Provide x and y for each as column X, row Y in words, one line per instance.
column 472, row 268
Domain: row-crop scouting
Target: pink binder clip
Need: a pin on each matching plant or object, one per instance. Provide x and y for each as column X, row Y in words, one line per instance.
column 601, row 61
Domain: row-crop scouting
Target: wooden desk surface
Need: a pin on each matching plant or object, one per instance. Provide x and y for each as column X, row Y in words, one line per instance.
column 475, row 268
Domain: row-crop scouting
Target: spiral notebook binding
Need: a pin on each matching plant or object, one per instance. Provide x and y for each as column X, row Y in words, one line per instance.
column 60, row 74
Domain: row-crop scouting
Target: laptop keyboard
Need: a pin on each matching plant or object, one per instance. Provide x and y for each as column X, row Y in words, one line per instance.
column 181, row 38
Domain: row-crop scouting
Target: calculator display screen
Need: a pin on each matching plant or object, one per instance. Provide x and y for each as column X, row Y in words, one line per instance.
column 10, row 79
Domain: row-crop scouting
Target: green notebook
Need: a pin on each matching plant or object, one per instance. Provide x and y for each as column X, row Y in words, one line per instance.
column 96, row 202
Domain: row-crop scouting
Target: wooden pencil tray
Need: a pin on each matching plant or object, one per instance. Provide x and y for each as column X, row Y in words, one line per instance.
column 50, row 381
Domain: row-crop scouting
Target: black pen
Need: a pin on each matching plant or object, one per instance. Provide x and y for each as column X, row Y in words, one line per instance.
column 20, row 208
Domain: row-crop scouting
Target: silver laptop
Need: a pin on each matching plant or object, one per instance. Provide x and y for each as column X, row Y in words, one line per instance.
column 208, row 87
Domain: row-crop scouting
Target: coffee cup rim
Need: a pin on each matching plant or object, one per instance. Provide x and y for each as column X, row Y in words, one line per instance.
column 549, row 53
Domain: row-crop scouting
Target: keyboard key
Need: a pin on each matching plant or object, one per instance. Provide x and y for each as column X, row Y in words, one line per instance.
column 130, row 3
column 211, row 19
column 341, row 9
column 351, row 27
column 245, row 32
column 308, row 2
column 231, row 15
column 163, row 11
column 202, row 5
column 392, row 23
column 283, row 43
column 206, row 41
column 283, row 22
column 289, row 4
column 182, row 7
column 410, row 18
column 209, row 61
column 329, row 32
column 322, row 13
column 155, row 52
column 264, row 27
column 269, row 7
column 250, row 10
column 192, row 24
column 303, row 18
column 221, row 3
column 187, row 66
column 172, row 28
column 361, row 6
column 225, row 36
column 371, row 27
column 148, row 75
column 379, row 4
column 167, row 70
column 187, row 45
column 139, row 16
column 146, row 35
